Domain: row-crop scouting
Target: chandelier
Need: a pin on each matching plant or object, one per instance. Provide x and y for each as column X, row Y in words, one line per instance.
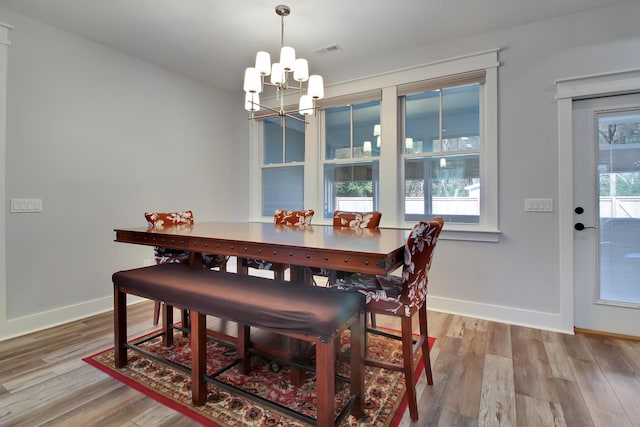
column 290, row 74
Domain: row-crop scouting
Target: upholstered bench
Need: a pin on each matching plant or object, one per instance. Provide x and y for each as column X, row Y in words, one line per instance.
column 312, row 314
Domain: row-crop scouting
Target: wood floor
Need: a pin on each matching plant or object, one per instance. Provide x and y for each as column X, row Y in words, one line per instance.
column 485, row 374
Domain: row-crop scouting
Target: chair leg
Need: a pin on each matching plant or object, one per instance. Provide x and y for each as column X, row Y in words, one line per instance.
column 156, row 313
column 373, row 320
column 409, row 373
column 424, row 332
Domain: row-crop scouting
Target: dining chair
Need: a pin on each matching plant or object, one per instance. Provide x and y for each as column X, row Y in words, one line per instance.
column 356, row 219
column 281, row 217
column 352, row 220
column 403, row 297
column 167, row 255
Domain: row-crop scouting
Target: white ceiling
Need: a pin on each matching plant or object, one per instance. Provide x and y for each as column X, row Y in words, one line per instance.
column 213, row 41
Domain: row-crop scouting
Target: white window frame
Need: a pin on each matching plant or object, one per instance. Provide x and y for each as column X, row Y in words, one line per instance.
column 323, row 161
column 391, row 181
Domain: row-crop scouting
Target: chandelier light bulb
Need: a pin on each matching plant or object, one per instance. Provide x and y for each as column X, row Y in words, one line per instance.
column 306, row 105
column 376, row 130
column 301, row 70
column 252, row 81
column 316, row 87
column 277, row 74
column 288, row 58
column 366, row 147
column 263, row 63
column 252, row 102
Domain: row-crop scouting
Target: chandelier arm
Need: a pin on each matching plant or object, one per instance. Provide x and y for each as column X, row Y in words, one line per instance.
column 276, row 113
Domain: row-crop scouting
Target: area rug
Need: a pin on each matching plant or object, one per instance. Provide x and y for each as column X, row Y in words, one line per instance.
column 385, row 399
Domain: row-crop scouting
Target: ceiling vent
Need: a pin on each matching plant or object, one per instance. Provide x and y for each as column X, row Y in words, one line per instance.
column 326, row 49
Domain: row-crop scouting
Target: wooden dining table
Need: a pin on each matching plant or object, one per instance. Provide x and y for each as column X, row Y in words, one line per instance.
column 369, row 251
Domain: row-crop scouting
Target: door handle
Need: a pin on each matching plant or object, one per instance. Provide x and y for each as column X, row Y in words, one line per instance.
column 580, row 226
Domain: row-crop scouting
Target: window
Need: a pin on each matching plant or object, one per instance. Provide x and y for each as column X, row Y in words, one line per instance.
column 412, row 143
column 282, row 165
column 441, row 149
column 351, row 167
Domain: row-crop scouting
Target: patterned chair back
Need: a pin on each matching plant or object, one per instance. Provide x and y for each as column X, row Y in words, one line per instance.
column 159, row 220
column 300, row 218
column 356, row 219
column 418, row 253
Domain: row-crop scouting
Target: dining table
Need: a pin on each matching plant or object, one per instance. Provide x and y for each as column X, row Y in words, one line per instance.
column 301, row 248
column 359, row 250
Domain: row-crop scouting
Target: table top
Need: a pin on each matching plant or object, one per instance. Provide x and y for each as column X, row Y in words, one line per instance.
column 377, row 251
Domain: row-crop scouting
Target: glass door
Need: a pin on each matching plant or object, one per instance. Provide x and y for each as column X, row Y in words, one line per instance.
column 607, row 214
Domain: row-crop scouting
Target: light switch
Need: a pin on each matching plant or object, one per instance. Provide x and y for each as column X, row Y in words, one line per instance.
column 26, row 205
column 538, row 205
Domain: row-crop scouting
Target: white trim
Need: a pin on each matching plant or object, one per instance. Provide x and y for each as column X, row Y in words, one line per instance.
column 598, row 84
column 568, row 90
column 474, row 61
column 4, row 54
column 498, row 313
column 470, row 236
column 60, row 316
column 4, row 33
column 389, row 163
column 255, row 150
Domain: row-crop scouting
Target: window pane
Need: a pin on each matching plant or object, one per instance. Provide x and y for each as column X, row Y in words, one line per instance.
column 338, row 132
column 447, row 187
column 443, row 181
column 349, row 131
column 422, row 122
column 352, row 187
column 291, row 138
column 294, row 140
column 282, row 188
column 461, row 118
column 618, row 165
column 365, row 118
column 273, row 138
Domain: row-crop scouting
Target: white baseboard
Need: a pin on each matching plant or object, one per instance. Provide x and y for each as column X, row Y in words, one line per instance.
column 11, row 328
column 511, row 315
column 515, row 316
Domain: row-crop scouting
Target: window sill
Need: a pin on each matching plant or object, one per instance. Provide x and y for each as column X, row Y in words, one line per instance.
column 489, row 236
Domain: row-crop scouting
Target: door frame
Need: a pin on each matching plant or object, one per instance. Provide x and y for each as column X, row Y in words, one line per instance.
column 568, row 90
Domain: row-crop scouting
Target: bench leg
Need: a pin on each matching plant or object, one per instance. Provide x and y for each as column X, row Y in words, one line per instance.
column 244, row 341
column 242, row 267
column 186, row 321
column 167, row 323
column 358, row 334
column 325, row 383
column 198, row 358
column 120, row 327
column 296, row 351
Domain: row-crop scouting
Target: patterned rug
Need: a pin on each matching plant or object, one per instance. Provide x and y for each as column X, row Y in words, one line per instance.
column 384, row 399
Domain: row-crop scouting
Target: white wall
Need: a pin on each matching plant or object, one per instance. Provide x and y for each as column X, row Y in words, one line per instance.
column 100, row 137
column 89, row 130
